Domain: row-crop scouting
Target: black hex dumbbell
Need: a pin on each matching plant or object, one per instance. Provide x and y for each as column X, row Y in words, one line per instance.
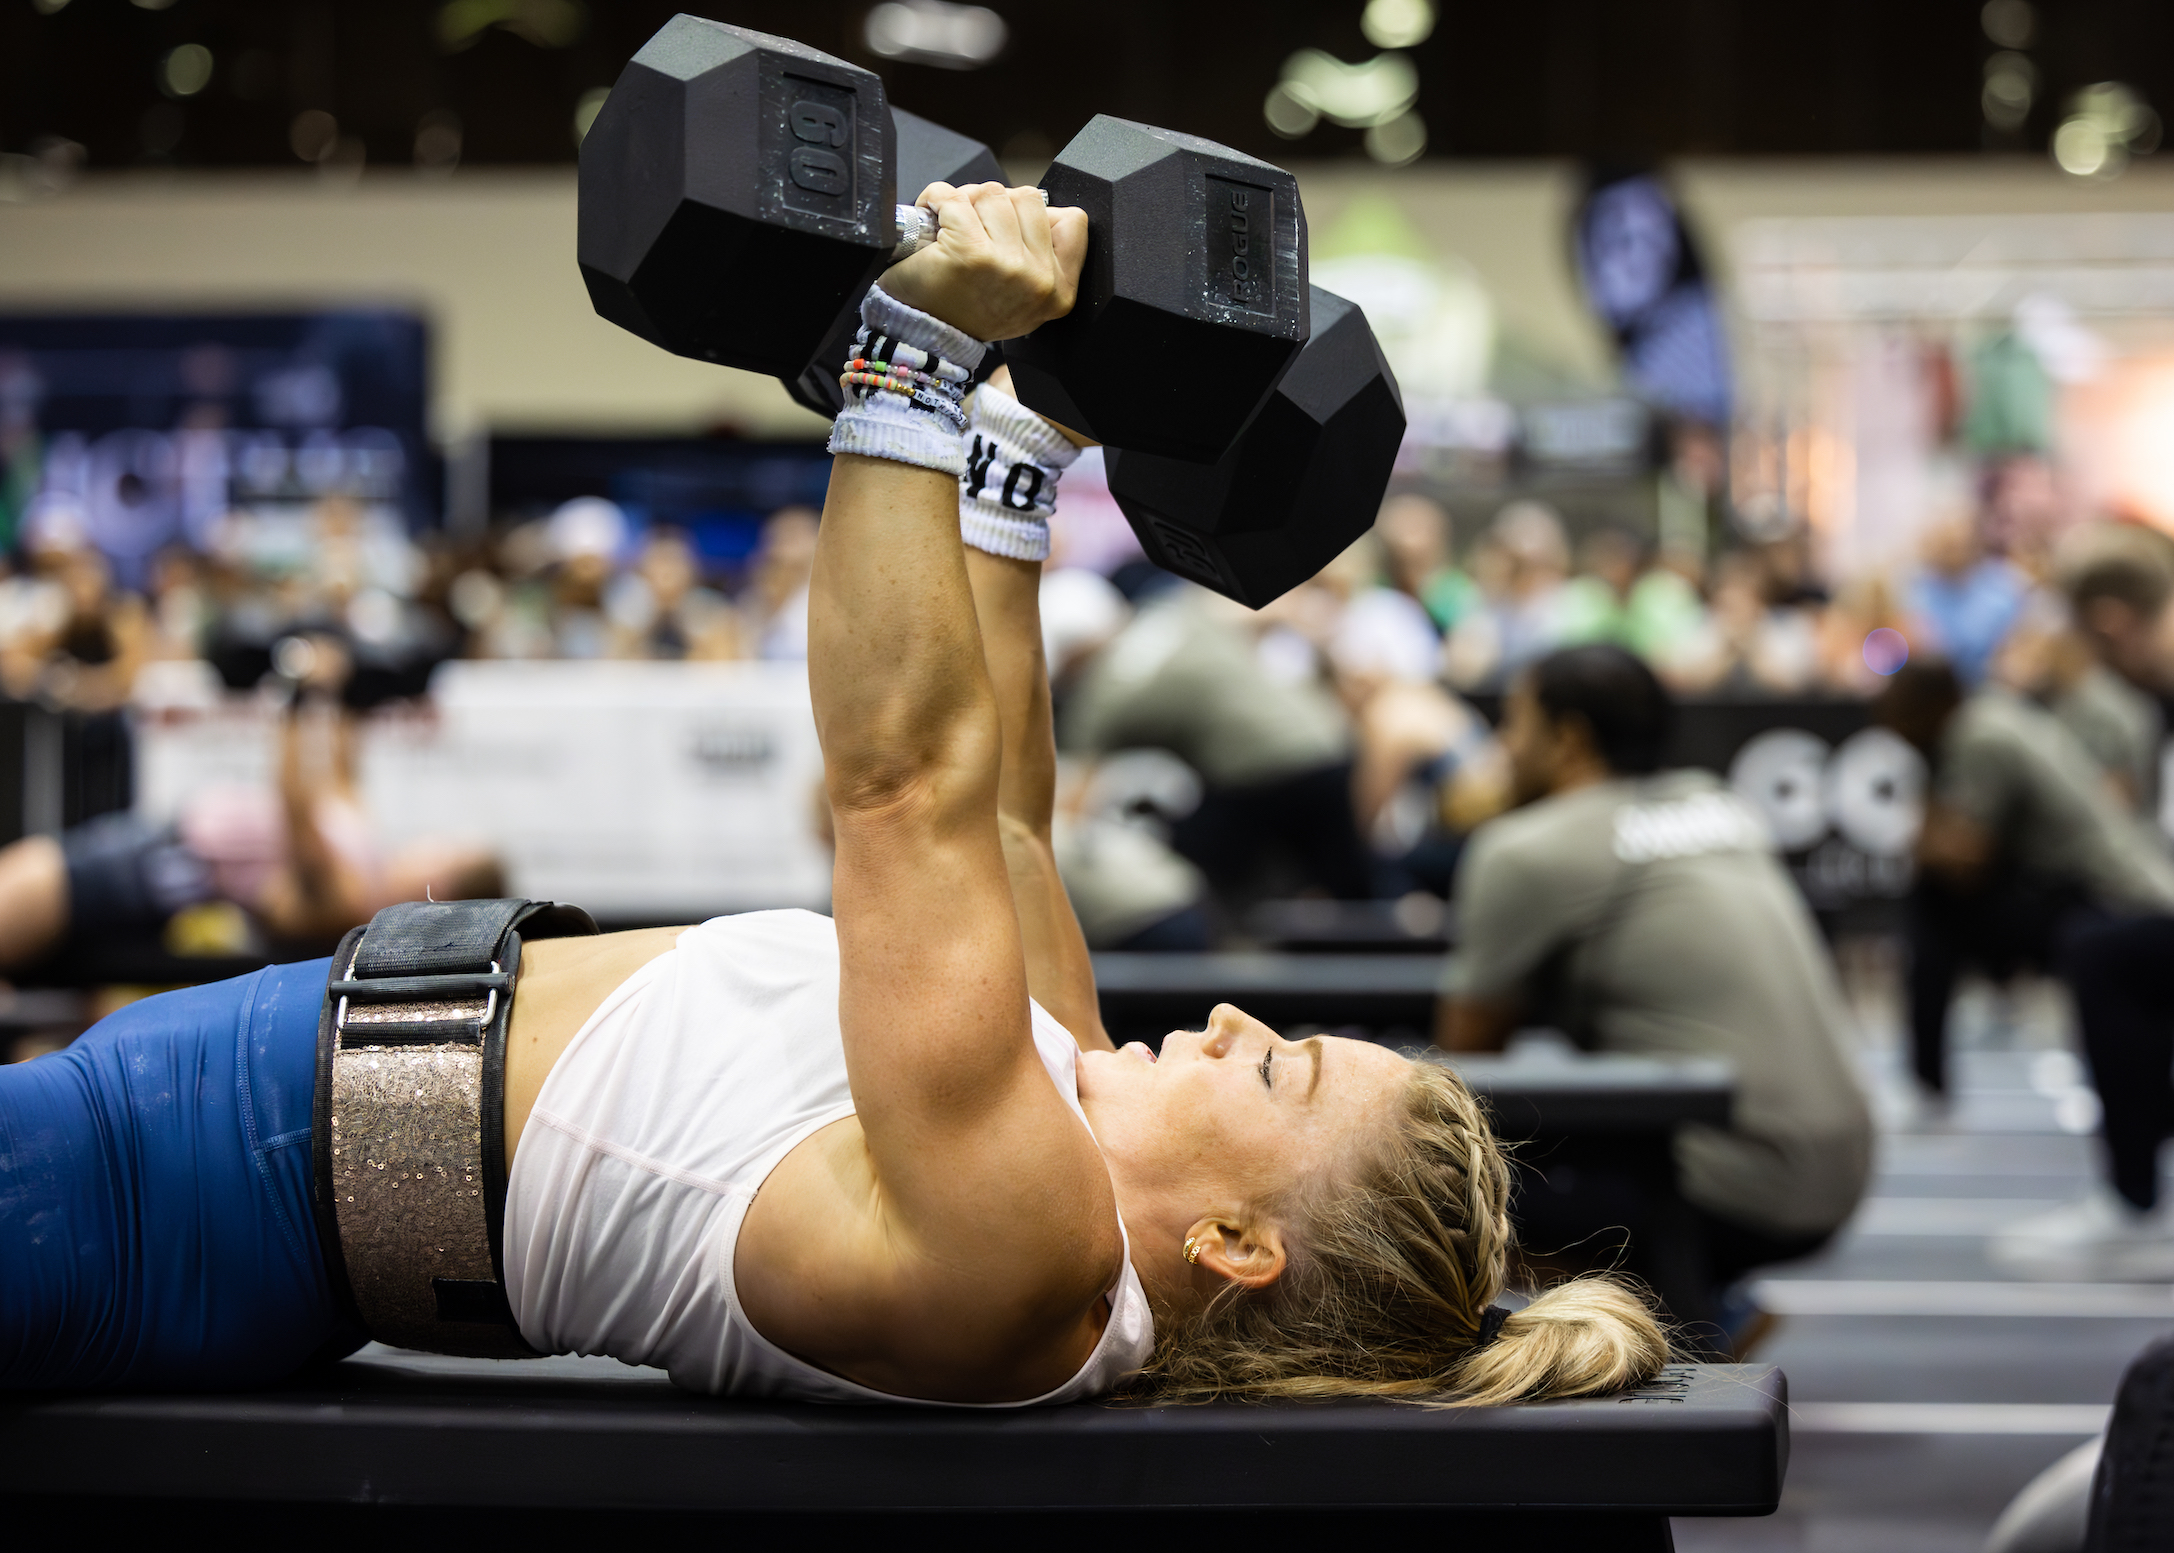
column 1304, row 480
column 738, row 195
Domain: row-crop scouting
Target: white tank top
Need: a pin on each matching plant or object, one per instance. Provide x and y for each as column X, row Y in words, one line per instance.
column 656, row 1128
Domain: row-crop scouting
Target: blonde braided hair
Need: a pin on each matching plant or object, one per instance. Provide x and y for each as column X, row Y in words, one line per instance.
column 1387, row 1277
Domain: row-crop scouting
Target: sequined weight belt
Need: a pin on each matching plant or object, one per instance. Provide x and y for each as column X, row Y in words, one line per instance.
column 409, row 1141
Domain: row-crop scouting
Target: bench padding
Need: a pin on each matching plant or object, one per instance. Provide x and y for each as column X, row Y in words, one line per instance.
column 401, row 1428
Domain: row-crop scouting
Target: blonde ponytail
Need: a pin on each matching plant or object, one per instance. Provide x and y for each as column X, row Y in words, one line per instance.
column 1583, row 1338
column 1387, row 1280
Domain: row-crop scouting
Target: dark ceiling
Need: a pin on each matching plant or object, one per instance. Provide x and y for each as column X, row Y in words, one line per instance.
column 1601, row 78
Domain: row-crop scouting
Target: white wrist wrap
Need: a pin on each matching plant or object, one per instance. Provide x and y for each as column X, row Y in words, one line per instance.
column 892, row 427
column 1009, row 488
column 903, row 387
column 883, row 316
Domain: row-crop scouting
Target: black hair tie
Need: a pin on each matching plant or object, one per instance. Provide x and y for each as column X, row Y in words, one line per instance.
column 1491, row 1320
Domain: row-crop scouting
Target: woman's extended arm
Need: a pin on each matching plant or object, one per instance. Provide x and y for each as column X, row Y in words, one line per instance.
column 982, row 1228
column 1060, row 975
column 1007, row 601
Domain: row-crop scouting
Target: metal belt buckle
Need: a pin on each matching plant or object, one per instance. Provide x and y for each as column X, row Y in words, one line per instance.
column 489, row 985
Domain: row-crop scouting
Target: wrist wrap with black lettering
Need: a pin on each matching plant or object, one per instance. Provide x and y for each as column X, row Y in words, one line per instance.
column 1009, row 488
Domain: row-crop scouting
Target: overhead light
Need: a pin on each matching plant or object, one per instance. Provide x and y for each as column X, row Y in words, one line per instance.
column 437, row 141
column 2010, row 23
column 1399, row 142
column 549, row 24
column 935, row 32
column 2083, row 149
column 185, row 71
column 1397, row 24
column 2106, row 124
column 313, row 134
column 2011, row 83
column 1287, row 114
column 1355, row 96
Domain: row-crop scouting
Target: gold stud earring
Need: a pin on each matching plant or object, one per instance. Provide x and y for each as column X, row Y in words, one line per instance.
column 1192, row 1250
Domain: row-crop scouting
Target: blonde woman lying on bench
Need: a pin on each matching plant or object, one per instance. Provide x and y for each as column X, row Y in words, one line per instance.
column 890, row 1157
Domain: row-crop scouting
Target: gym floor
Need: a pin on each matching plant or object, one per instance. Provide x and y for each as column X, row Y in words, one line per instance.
column 1928, row 1386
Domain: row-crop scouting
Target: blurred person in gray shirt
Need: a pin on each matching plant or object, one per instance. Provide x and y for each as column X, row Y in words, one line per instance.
column 2118, row 581
column 1645, row 910
column 1274, row 754
column 2026, row 856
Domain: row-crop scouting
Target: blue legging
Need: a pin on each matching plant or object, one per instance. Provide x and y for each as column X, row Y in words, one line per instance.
column 156, row 1228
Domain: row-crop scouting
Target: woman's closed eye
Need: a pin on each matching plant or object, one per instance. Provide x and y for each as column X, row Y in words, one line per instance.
column 1266, row 1058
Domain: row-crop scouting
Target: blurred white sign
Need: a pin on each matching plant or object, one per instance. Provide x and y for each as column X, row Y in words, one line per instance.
column 637, row 790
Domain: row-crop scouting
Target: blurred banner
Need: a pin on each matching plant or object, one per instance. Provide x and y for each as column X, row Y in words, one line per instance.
column 139, row 432
column 1907, row 371
column 1642, row 274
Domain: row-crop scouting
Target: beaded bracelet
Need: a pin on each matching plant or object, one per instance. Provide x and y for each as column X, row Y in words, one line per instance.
column 937, row 385
column 887, row 376
column 904, row 384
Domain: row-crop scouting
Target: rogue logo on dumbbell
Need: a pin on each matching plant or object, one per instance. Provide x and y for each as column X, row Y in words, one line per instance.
column 1182, row 551
column 1232, row 275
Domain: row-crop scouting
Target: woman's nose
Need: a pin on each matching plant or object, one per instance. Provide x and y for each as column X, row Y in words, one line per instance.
column 1225, row 1025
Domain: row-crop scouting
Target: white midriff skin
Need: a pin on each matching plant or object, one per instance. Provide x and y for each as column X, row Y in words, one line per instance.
column 955, row 1237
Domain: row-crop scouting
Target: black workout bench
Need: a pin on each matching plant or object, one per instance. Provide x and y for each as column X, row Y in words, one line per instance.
column 389, row 1441
column 1146, row 996
column 1618, row 1095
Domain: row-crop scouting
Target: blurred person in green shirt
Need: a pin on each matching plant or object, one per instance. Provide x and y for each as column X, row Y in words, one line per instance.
column 1617, row 598
column 1418, row 543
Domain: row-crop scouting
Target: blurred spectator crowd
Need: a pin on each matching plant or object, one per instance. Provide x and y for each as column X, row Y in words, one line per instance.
column 580, row 583
column 1332, row 745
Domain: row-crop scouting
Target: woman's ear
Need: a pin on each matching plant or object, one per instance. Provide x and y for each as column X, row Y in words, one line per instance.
column 1249, row 1255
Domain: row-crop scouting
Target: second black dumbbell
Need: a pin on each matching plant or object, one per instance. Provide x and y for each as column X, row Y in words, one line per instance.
column 739, row 194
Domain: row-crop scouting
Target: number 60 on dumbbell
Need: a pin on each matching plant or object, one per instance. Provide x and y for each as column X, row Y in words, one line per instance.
column 739, row 193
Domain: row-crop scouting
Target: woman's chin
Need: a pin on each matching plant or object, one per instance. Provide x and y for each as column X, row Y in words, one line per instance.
column 1104, row 1071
